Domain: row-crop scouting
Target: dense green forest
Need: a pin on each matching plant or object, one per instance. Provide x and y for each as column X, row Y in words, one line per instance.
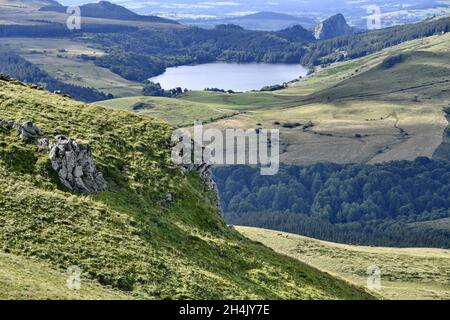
column 15, row 66
column 145, row 53
column 363, row 204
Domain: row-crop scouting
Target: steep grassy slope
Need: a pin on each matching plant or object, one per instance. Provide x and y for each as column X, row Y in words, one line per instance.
column 405, row 273
column 154, row 233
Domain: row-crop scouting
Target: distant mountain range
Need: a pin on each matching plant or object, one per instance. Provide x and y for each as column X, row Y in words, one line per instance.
column 264, row 21
column 293, row 27
column 107, row 10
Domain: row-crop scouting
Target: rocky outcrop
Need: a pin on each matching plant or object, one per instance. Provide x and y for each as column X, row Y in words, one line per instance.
column 75, row 166
column 332, row 27
column 205, row 172
column 27, row 130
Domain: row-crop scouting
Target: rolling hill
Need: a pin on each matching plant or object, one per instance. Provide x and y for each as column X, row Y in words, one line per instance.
column 45, row 12
column 107, row 10
column 405, row 273
column 152, row 234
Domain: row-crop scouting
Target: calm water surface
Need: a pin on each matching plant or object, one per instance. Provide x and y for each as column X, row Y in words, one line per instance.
column 229, row 76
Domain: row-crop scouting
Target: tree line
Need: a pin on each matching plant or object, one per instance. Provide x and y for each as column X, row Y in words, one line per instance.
column 146, row 53
column 358, row 203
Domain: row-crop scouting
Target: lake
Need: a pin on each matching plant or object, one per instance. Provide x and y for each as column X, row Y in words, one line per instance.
column 229, row 76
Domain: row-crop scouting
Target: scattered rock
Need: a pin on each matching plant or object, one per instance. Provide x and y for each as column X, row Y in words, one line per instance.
column 6, row 125
column 27, row 130
column 43, row 145
column 142, row 106
column 75, row 166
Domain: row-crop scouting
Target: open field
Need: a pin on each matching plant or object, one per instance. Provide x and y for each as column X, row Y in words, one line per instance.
column 200, row 105
column 405, row 273
column 28, row 278
column 179, row 112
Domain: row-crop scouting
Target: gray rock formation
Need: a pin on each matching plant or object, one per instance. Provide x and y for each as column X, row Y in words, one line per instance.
column 332, row 27
column 205, row 172
column 75, row 166
column 43, row 145
column 26, row 130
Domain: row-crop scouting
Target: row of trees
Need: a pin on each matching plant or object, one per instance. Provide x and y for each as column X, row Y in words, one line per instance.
column 155, row 90
column 350, row 195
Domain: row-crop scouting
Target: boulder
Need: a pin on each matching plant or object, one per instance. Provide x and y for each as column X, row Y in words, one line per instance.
column 75, row 166
column 43, row 145
column 26, row 130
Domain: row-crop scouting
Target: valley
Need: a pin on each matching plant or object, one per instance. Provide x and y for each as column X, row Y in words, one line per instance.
column 399, row 116
column 364, row 129
column 154, row 234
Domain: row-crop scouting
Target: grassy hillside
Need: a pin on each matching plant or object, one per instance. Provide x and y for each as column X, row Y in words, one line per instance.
column 27, row 278
column 200, row 105
column 405, row 273
column 154, row 234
